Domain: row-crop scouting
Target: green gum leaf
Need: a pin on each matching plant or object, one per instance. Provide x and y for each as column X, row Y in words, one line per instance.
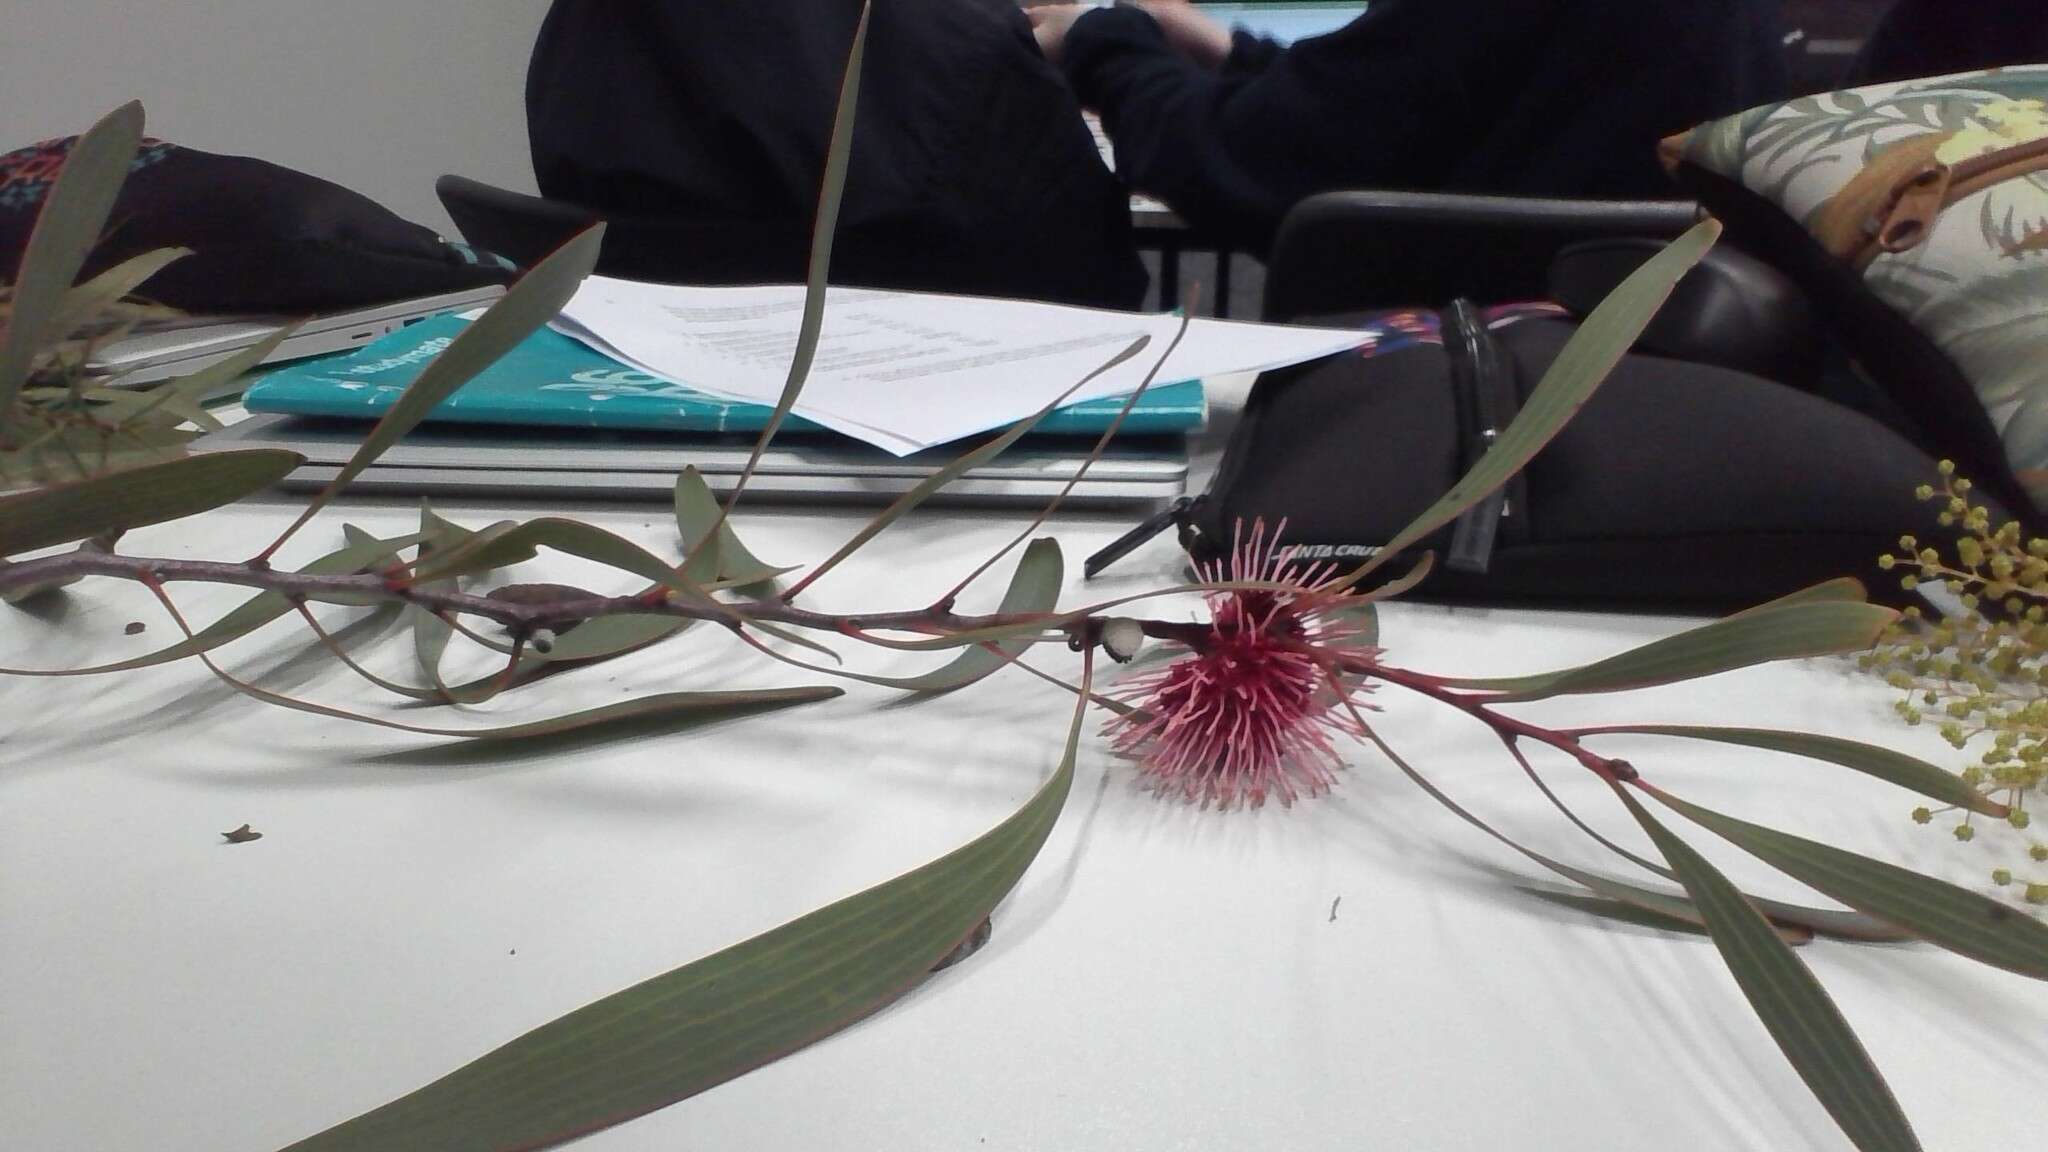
column 90, row 299
column 719, row 557
column 1607, row 909
column 530, row 303
column 194, row 388
column 151, row 494
column 72, row 219
column 673, row 1036
column 495, row 549
column 960, row 465
column 1579, row 369
column 668, row 708
column 1941, row 913
column 1664, row 905
column 1034, row 587
column 1793, row 1006
column 1893, row 767
column 1842, row 588
column 1776, row 632
column 430, row 633
column 838, row 155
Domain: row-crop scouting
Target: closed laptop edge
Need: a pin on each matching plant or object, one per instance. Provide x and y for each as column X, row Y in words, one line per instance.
column 528, row 461
column 193, row 343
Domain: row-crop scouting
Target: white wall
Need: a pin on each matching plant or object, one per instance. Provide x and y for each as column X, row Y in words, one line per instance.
column 379, row 95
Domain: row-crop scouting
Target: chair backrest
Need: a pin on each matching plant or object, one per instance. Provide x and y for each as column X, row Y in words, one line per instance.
column 1350, row 251
column 525, row 228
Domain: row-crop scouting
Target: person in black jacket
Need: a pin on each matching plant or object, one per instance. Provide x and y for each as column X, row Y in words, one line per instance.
column 972, row 170
column 1921, row 38
column 1519, row 97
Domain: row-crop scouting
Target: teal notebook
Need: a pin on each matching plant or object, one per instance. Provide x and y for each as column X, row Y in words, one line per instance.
column 552, row 379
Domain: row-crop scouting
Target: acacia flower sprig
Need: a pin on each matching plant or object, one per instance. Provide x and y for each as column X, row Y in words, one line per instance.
column 1979, row 673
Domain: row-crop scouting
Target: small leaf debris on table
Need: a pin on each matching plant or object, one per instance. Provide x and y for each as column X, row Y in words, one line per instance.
column 242, row 835
column 135, row 628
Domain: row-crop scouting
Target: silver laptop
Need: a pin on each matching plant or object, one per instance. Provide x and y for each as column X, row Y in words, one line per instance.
column 195, row 342
column 522, row 461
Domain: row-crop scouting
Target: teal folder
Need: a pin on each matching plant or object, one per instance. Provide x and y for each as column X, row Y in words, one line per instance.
column 551, row 379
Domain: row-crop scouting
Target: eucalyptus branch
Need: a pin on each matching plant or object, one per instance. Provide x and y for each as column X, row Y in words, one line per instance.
column 1514, row 749
column 523, row 618
column 1474, row 704
column 519, row 617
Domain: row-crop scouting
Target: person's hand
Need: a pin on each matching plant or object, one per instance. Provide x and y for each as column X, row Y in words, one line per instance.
column 1190, row 32
column 1049, row 23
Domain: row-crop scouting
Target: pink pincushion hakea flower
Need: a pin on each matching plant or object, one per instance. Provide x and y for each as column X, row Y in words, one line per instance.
column 1251, row 710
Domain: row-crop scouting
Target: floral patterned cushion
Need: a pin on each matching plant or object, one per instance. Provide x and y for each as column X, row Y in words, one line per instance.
column 1934, row 193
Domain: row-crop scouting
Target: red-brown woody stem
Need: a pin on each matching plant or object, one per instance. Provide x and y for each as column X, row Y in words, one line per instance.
column 1474, row 704
column 520, row 617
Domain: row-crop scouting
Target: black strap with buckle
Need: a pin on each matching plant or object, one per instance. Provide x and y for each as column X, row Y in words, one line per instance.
column 1483, row 379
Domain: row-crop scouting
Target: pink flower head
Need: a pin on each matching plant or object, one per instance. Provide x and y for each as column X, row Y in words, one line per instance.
column 1250, row 710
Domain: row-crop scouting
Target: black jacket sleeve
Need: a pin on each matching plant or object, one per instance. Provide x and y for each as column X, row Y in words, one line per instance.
column 1918, row 38
column 1232, row 150
column 1511, row 96
column 1249, row 54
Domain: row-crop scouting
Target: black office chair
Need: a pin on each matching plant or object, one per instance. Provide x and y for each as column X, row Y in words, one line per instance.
column 1355, row 250
column 1351, row 251
column 524, row 228
column 1347, row 252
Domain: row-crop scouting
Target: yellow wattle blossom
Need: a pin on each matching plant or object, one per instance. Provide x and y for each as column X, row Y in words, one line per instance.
column 1982, row 668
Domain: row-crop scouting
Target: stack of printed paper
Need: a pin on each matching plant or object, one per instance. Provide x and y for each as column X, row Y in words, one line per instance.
column 910, row 371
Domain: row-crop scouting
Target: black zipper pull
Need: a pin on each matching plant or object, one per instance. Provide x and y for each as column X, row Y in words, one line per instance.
column 1129, row 542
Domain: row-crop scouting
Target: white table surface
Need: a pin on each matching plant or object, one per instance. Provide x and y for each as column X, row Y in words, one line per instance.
column 1163, row 978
